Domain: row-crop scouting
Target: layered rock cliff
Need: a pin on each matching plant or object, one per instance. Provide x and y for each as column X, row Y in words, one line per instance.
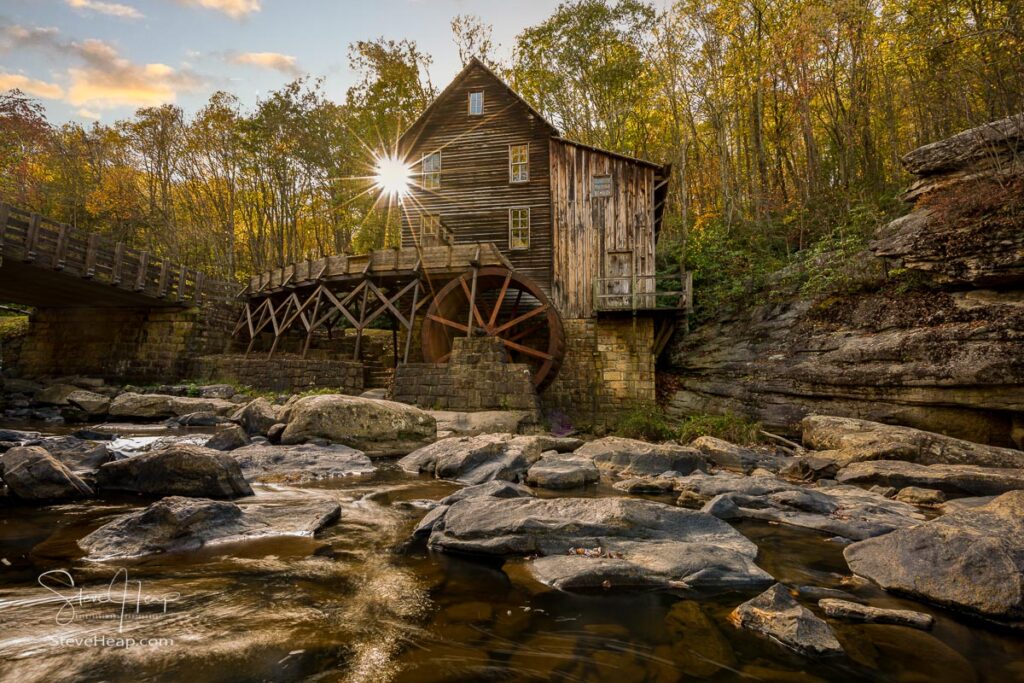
column 944, row 354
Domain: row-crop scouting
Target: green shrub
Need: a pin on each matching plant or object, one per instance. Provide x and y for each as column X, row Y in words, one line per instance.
column 12, row 326
column 645, row 421
column 733, row 428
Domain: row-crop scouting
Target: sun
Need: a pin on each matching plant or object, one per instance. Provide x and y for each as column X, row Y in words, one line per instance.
column 392, row 176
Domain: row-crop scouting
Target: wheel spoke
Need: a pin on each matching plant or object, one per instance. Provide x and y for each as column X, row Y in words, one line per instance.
column 524, row 317
column 526, row 349
column 476, row 311
column 450, row 323
column 501, row 299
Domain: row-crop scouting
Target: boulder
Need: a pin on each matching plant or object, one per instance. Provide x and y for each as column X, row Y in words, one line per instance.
column 201, row 419
column 603, row 542
column 301, row 463
column 853, row 611
column 33, row 474
column 256, row 417
column 776, row 614
column 476, row 459
column 89, row 402
column 848, row 440
column 55, row 394
column 177, row 524
column 492, row 489
column 726, row 455
column 964, row 480
column 179, row 470
column 378, row 428
column 846, row 511
column 483, row 422
column 617, row 456
column 275, row 432
column 228, row 439
column 915, row 495
column 562, row 471
column 224, row 391
column 153, row 406
column 971, row 559
column 959, row 151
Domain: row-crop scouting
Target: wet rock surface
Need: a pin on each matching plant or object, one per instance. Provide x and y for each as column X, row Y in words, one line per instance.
column 854, row 611
column 181, row 470
column 257, row 417
column 453, row 423
column 492, row 489
column 588, row 543
column 617, row 456
column 31, row 473
column 152, row 406
column 971, row 559
column 726, row 455
column 845, row 511
column 179, row 524
column 378, row 428
column 228, row 439
column 305, row 462
column 964, row 480
column 776, row 614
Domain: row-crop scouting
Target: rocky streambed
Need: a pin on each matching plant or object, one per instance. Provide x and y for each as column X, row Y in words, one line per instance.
column 269, row 545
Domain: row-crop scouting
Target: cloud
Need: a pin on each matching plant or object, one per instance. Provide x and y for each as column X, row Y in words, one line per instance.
column 113, row 9
column 267, row 60
column 50, row 91
column 88, row 114
column 236, row 9
column 103, row 79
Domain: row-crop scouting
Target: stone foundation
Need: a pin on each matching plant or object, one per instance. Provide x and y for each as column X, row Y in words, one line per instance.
column 608, row 368
column 477, row 377
column 286, row 373
column 123, row 344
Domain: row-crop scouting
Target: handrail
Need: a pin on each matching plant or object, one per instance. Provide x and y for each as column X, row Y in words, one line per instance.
column 642, row 293
column 33, row 239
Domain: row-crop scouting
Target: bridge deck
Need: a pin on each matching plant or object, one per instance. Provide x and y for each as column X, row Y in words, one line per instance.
column 442, row 262
column 49, row 264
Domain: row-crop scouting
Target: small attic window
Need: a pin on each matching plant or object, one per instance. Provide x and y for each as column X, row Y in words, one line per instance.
column 601, row 186
column 476, row 103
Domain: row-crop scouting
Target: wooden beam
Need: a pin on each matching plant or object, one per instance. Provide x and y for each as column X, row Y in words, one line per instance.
column 140, row 278
column 161, row 289
column 5, row 215
column 32, row 238
column 91, row 247
column 62, row 244
column 115, row 270
column 412, row 319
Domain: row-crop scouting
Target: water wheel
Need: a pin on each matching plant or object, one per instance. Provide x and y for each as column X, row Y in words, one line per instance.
column 507, row 305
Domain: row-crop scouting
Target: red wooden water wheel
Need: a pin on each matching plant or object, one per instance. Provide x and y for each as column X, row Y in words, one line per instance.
column 506, row 305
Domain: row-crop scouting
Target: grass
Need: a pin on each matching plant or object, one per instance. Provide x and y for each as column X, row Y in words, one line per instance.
column 12, row 326
column 733, row 428
column 645, row 421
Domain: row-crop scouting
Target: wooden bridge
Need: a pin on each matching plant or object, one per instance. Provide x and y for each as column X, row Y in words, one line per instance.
column 47, row 264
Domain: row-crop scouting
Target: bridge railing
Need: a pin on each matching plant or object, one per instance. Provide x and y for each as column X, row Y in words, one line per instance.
column 43, row 243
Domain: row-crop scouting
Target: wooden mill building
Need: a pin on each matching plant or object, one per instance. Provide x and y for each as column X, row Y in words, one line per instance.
column 508, row 231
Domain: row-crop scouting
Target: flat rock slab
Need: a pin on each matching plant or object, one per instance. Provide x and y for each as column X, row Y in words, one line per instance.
column 378, row 428
column 603, row 542
column 617, row 456
column 846, row 511
column 31, row 473
column 971, row 559
column 847, row 440
column 492, row 489
column 562, row 471
column 663, row 483
column 854, row 611
column 306, row 462
column 180, row 470
column 776, row 614
column 478, row 459
column 964, row 480
column 152, row 406
column 178, row 524
column 726, row 455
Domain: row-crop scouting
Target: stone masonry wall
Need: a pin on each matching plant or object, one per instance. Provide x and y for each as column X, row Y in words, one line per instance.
column 608, row 367
column 123, row 344
column 477, row 377
column 289, row 373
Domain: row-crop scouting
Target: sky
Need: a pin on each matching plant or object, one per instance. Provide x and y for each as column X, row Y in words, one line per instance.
column 101, row 59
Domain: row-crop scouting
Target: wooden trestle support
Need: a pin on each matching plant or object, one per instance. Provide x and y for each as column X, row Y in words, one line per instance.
column 491, row 300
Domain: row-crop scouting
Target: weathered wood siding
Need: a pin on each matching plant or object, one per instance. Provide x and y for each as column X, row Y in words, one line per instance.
column 475, row 194
column 586, row 229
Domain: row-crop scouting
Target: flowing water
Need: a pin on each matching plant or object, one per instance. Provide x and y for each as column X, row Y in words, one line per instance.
column 360, row 603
